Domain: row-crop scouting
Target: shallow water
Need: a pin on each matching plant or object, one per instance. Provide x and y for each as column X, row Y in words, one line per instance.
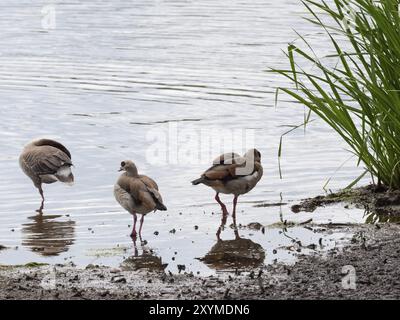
column 108, row 78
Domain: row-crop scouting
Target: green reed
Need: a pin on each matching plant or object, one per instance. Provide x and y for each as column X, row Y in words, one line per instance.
column 359, row 95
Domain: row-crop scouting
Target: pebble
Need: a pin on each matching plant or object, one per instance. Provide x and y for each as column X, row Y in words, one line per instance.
column 181, row 267
column 115, row 270
column 118, row 279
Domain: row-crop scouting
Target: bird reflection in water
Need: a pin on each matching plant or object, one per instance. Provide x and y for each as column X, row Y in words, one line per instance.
column 146, row 260
column 239, row 253
column 48, row 236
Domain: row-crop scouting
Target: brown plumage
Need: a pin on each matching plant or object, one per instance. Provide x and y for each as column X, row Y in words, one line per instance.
column 233, row 174
column 137, row 193
column 46, row 161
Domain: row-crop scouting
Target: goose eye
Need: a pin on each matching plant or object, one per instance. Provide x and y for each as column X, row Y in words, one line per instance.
column 123, row 164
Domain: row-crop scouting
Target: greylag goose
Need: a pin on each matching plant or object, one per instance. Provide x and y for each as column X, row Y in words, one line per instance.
column 233, row 174
column 46, row 161
column 137, row 194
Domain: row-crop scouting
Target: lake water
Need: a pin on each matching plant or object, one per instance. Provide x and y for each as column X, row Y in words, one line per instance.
column 110, row 76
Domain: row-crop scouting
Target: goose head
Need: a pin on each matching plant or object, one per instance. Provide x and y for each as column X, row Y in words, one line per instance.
column 129, row 167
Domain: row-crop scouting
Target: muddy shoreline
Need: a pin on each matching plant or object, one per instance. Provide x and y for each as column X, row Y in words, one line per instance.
column 374, row 253
column 380, row 203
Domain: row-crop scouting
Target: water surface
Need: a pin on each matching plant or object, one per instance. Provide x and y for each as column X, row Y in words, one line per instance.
column 113, row 73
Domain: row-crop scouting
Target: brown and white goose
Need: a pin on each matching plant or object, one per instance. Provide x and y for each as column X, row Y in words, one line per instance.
column 137, row 194
column 46, row 161
column 233, row 174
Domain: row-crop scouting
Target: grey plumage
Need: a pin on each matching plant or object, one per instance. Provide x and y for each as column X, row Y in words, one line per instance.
column 46, row 161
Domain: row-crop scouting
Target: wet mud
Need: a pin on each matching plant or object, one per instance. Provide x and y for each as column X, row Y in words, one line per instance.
column 380, row 203
column 374, row 253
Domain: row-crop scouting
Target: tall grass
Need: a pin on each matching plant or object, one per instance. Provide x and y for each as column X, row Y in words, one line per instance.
column 359, row 96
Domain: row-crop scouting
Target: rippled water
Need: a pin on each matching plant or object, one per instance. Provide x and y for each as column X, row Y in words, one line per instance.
column 111, row 74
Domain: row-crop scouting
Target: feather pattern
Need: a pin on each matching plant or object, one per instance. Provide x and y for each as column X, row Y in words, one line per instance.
column 138, row 194
column 232, row 174
column 47, row 161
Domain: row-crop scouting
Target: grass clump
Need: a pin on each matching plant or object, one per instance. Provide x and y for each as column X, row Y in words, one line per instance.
column 358, row 95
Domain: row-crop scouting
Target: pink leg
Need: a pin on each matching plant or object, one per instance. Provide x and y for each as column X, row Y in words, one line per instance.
column 133, row 234
column 141, row 226
column 223, row 207
column 40, row 210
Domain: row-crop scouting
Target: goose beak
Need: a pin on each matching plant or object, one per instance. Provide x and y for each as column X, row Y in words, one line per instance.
column 121, row 169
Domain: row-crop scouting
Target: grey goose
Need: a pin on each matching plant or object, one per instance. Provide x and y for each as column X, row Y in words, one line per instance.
column 46, row 161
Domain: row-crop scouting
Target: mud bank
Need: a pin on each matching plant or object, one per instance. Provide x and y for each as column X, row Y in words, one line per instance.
column 374, row 252
column 380, row 203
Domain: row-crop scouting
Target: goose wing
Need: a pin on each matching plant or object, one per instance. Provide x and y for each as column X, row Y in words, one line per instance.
column 228, row 158
column 224, row 167
column 138, row 190
column 221, row 172
column 149, row 182
column 46, row 160
column 152, row 188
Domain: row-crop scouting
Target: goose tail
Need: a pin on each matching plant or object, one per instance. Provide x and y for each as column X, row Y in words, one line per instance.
column 64, row 174
column 160, row 206
column 198, row 181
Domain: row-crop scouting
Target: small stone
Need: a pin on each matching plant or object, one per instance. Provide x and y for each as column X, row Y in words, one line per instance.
column 118, row 279
column 255, row 226
column 181, row 267
column 104, row 293
column 115, row 270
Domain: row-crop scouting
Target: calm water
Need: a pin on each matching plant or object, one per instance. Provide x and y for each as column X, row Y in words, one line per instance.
column 113, row 74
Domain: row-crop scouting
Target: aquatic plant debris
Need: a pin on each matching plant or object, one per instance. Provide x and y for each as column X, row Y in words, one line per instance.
column 381, row 204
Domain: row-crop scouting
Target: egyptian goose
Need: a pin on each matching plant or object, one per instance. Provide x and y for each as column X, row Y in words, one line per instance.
column 233, row 174
column 46, row 161
column 137, row 194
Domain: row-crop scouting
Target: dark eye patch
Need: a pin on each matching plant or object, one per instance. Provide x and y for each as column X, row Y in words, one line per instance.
column 123, row 164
